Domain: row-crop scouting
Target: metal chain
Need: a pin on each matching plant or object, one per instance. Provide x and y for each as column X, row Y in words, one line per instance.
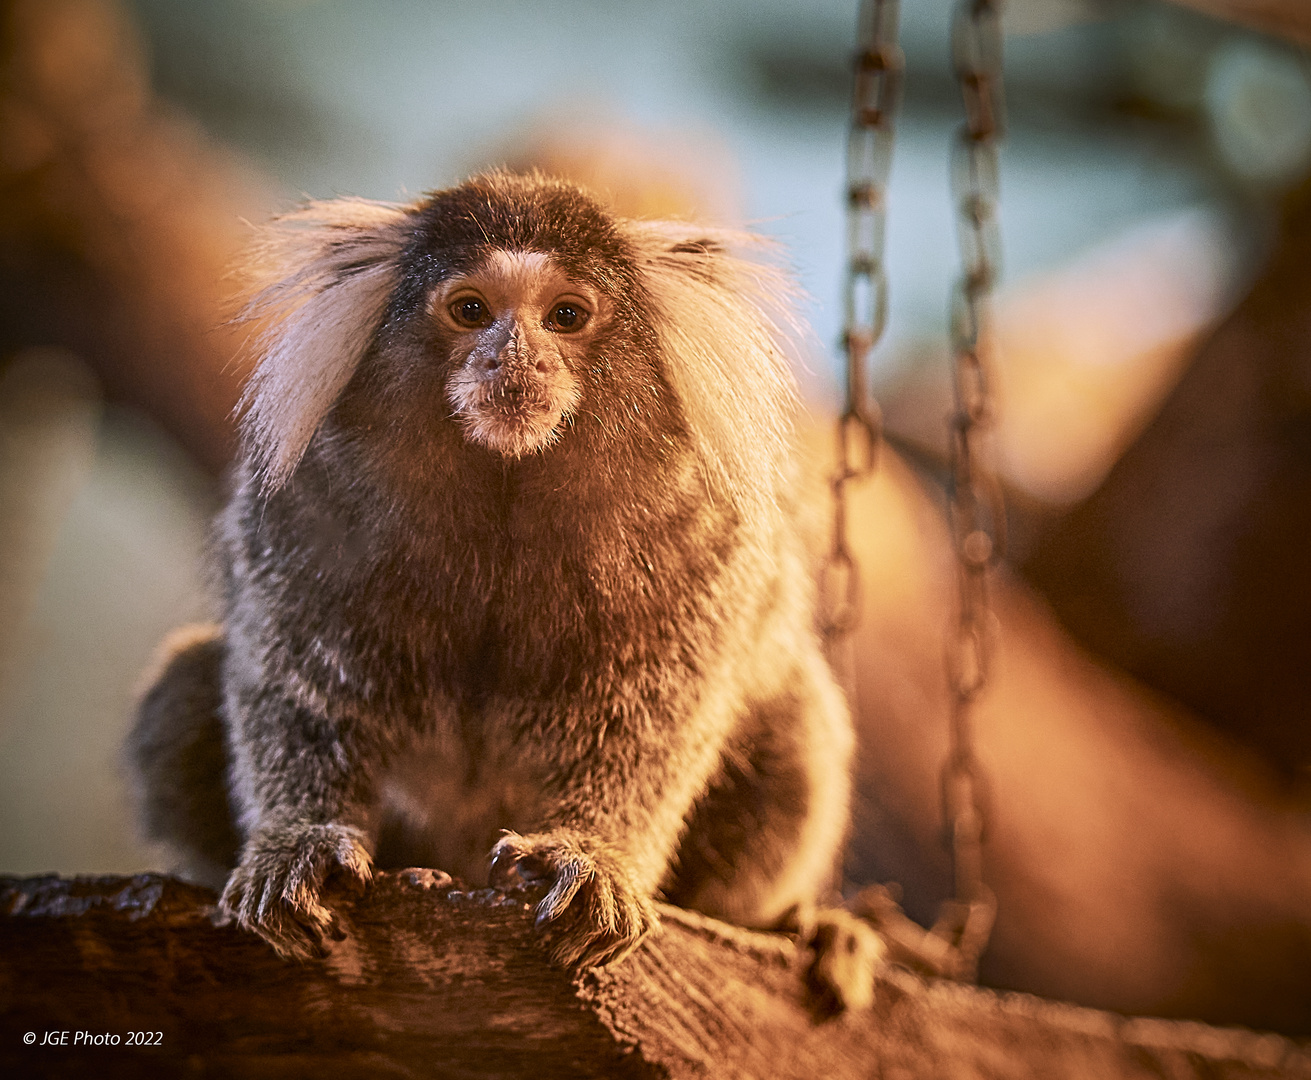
column 977, row 516
column 976, row 510
column 876, row 93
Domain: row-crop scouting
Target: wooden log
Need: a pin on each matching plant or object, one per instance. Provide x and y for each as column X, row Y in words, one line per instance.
column 432, row 979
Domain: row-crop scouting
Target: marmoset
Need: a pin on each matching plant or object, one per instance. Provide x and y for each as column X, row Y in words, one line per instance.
column 512, row 577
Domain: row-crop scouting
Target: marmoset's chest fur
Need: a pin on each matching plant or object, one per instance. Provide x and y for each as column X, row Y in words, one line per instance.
column 494, row 634
column 491, row 588
column 446, row 797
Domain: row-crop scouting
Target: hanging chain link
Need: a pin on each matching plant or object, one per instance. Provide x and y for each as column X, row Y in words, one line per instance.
column 977, row 514
column 877, row 90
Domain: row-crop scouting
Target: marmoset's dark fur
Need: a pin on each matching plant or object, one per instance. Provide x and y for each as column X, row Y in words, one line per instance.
column 512, row 547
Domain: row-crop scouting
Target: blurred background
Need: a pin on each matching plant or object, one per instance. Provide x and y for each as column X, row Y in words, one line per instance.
column 1153, row 335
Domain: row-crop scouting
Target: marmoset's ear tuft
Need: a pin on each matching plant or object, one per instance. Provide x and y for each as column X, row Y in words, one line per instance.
column 319, row 281
column 725, row 317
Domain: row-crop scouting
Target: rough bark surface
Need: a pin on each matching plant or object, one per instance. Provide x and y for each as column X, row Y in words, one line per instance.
column 432, row 980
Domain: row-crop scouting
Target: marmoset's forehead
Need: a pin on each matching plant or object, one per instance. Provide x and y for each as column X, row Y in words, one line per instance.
column 458, row 227
column 515, row 271
column 510, row 277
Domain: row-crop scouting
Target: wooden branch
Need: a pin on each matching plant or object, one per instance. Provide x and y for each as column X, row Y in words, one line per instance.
column 434, row 980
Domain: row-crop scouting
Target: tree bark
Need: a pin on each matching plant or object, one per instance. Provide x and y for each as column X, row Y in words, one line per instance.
column 431, row 979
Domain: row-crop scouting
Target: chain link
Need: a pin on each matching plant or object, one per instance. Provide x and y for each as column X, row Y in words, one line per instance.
column 977, row 513
column 876, row 94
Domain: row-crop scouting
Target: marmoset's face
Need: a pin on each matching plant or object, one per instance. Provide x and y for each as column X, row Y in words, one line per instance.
column 517, row 331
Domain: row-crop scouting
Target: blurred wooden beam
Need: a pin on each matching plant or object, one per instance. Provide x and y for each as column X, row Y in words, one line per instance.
column 433, row 980
column 1285, row 18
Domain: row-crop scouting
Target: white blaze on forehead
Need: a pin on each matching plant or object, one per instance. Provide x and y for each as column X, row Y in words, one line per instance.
column 511, row 278
column 518, row 268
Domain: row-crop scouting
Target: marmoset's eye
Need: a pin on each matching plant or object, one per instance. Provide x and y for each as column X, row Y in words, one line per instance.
column 567, row 317
column 469, row 311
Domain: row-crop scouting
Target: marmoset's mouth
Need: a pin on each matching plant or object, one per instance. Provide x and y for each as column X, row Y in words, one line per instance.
column 513, row 412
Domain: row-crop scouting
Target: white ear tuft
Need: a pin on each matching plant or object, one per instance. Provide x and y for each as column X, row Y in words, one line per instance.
column 319, row 281
column 727, row 325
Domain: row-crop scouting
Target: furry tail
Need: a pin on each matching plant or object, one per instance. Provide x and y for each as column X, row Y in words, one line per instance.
column 179, row 756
